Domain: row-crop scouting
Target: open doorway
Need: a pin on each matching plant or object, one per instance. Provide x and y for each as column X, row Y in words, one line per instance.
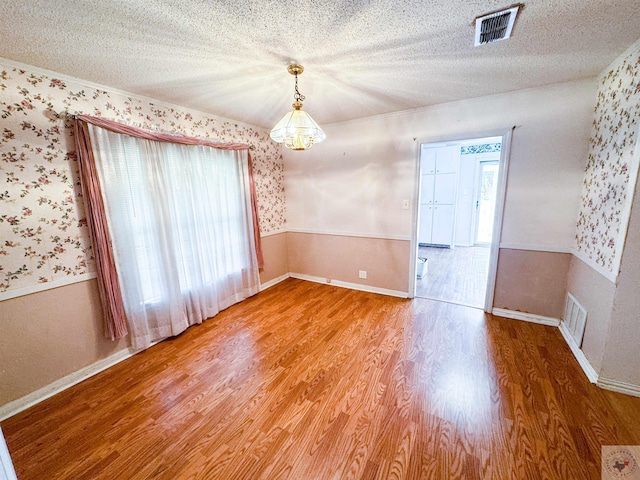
column 458, row 195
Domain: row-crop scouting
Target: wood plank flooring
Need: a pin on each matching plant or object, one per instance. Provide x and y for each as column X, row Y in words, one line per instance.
column 309, row 381
column 456, row 275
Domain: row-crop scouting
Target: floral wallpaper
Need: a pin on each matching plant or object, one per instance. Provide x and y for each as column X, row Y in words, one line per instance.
column 601, row 226
column 43, row 232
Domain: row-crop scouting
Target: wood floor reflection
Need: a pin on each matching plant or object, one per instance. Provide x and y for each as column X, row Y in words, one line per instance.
column 456, row 275
column 308, row 381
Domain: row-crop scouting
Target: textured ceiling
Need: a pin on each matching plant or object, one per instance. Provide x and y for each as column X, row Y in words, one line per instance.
column 361, row 58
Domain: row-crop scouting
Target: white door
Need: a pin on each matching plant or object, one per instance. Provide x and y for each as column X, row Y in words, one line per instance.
column 442, row 231
column 438, row 185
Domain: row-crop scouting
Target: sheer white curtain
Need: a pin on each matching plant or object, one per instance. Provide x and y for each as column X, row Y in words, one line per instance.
column 181, row 228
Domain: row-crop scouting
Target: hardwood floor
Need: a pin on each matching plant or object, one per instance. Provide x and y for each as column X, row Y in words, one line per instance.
column 456, row 275
column 308, row 381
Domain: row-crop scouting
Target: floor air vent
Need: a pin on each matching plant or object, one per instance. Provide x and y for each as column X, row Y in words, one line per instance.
column 575, row 319
column 495, row 26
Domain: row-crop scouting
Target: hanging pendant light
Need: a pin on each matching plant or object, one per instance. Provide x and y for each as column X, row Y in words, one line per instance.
column 297, row 130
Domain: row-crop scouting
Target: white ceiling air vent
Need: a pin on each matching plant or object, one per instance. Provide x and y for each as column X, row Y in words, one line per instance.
column 495, row 26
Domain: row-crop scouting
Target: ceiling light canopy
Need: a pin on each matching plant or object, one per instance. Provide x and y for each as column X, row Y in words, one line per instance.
column 297, row 130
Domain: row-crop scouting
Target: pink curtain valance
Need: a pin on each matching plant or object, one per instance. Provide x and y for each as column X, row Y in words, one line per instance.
column 158, row 137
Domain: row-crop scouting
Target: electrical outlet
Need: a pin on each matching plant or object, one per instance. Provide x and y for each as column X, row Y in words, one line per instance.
column 362, row 274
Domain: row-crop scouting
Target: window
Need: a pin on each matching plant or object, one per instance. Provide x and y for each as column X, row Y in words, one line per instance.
column 180, row 224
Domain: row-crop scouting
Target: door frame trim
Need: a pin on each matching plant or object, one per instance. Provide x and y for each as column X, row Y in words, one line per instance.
column 7, row 472
column 505, row 150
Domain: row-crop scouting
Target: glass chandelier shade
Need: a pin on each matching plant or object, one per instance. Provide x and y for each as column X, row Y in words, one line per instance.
column 297, row 130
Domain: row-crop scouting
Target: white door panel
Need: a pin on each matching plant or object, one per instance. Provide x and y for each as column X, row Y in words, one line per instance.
column 428, row 160
column 445, row 189
column 427, row 189
column 442, row 232
column 447, row 159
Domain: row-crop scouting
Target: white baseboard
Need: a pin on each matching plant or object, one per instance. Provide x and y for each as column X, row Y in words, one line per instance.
column 589, row 371
column 273, row 281
column 352, row 286
column 58, row 386
column 526, row 317
column 620, row 387
column 587, row 368
column 31, row 399
column 21, row 404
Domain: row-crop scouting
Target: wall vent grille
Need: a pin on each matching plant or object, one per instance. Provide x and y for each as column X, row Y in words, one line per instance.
column 575, row 319
column 495, row 26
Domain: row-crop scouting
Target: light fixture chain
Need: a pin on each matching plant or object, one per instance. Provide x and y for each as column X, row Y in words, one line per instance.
column 298, row 97
column 297, row 130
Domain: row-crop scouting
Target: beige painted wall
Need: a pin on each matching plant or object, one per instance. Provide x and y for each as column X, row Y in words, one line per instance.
column 276, row 263
column 340, row 258
column 621, row 360
column 532, row 281
column 354, row 182
column 595, row 293
column 48, row 335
